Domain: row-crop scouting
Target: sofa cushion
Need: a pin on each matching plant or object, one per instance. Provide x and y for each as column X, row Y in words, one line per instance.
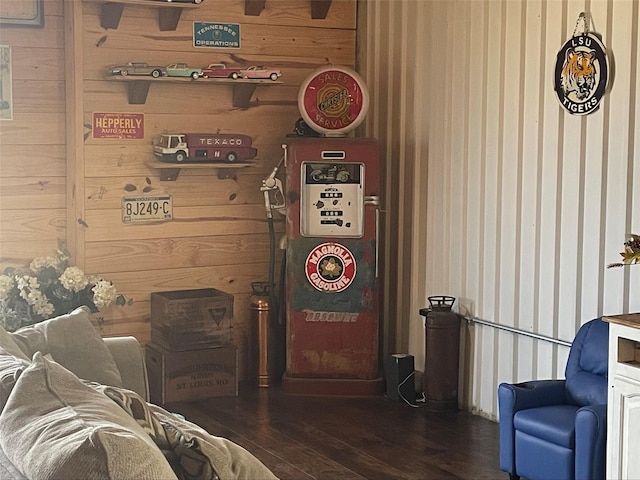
column 553, row 423
column 55, row 427
column 8, row 345
column 199, row 453
column 587, row 365
column 74, row 343
column 10, row 370
column 12, row 362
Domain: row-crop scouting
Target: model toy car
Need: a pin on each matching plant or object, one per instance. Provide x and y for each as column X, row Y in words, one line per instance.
column 138, row 68
column 259, row 71
column 220, row 70
column 183, row 70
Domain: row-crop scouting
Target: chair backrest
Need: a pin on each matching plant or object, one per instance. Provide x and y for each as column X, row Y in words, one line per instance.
column 587, row 367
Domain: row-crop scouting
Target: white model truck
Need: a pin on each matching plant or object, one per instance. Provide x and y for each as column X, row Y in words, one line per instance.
column 204, row 147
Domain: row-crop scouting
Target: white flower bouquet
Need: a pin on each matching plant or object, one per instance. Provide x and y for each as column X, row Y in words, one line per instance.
column 50, row 288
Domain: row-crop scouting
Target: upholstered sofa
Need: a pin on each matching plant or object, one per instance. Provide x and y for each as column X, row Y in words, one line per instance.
column 75, row 406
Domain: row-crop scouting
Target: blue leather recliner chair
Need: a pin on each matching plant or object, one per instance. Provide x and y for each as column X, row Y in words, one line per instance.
column 556, row 429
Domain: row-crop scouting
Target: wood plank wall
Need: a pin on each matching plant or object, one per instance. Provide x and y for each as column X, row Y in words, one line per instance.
column 32, row 145
column 218, row 237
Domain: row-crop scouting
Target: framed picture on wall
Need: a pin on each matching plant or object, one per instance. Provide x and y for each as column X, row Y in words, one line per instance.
column 28, row 13
column 6, row 84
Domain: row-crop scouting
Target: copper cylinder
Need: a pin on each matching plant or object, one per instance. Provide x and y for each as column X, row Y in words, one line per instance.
column 442, row 344
column 258, row 345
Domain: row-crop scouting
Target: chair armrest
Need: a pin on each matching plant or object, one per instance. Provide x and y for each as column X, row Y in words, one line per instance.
column 129, row 357
column 532, row 394
column 521, row 396
column 591, row 436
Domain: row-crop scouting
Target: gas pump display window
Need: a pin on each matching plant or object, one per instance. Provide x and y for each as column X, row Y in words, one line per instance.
column 332, row 199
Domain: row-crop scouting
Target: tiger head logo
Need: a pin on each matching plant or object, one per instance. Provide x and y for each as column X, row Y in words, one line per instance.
column 578, row 73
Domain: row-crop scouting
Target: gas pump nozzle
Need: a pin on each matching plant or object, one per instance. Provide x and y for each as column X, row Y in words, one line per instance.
column 273, row 184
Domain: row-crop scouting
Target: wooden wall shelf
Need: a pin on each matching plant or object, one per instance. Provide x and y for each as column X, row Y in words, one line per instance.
column 243, row 89
column 168, row 12
column 319, row 8
column 169, row 171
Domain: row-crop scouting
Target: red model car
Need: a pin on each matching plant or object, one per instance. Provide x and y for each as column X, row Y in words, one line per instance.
column 220, row 70
column 259, row 71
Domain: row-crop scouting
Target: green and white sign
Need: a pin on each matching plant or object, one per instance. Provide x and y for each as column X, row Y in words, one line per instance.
column 216, row 35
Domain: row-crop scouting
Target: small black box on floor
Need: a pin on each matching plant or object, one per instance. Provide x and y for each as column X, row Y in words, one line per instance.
column 399, row 369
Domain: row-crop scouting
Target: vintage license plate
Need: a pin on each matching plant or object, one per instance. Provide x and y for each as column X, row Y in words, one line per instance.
column 147, row 209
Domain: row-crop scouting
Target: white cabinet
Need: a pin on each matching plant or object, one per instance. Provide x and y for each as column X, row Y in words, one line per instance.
column 623, row 415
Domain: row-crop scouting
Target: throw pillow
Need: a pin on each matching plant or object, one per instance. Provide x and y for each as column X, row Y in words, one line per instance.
column 8, row 345
column 12, row 362
column 10, row 369
column 55, row 427
column 75, row 344
column 191, row 444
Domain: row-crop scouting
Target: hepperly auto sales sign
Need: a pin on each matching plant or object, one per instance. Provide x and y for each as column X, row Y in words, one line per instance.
column 118, row 125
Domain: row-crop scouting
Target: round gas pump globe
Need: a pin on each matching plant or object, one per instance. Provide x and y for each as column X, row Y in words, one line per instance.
column 333, row 100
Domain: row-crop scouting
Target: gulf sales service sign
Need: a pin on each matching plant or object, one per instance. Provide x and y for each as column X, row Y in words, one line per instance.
column 118, row 125
column 216, row 35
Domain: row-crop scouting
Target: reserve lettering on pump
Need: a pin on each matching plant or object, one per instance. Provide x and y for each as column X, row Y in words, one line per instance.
column 331, row 317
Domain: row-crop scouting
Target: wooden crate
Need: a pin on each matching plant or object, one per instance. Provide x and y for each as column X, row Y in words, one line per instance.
column 191, row 375
column 184, row 318
column 189, row 340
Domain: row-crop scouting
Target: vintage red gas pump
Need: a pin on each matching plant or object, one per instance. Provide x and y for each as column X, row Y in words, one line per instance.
column 332, row 284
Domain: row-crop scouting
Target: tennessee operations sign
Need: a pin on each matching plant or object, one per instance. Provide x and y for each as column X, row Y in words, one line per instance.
column 216, row 35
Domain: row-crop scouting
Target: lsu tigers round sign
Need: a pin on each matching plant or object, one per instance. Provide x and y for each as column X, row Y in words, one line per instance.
column 333, row 100
column 581, row 74
column 330, row 267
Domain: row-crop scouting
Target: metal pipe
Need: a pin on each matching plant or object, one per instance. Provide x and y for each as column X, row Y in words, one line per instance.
column 517, row 331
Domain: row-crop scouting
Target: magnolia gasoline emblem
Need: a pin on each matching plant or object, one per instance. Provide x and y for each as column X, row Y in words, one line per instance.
column 330, row 267
column 581, row 74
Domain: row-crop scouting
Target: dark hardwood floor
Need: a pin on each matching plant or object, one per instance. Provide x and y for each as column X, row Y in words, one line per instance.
column 326, row 438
